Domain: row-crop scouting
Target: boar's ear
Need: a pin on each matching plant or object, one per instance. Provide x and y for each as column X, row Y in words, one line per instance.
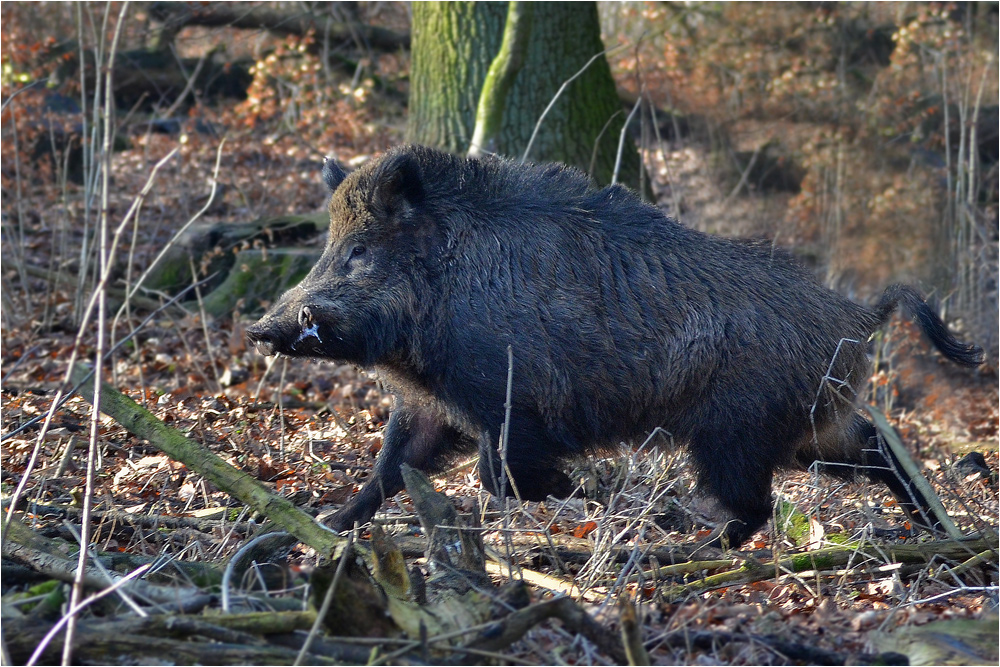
column 398, row 185
column 333, row 175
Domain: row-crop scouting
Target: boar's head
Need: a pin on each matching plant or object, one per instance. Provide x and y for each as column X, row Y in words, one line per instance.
column 358, row 302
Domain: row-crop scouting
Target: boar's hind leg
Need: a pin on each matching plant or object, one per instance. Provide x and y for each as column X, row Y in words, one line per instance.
column 531, row 465
column 420, row 438
column 860, row 451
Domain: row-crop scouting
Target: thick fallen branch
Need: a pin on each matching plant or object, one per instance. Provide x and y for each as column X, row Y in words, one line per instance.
column 233, row 639
column 142, row 423
column 505, row 632
column 292, row 21
column 831, row 557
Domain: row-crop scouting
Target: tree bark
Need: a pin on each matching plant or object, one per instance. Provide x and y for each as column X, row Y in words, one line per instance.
column 453, row 45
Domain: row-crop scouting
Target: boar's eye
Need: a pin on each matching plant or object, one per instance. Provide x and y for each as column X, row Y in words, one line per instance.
column 357, row 257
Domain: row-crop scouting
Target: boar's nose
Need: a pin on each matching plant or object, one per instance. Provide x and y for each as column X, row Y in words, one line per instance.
column 262, row 340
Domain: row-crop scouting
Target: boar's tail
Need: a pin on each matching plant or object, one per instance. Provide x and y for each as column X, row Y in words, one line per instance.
column 966, row 354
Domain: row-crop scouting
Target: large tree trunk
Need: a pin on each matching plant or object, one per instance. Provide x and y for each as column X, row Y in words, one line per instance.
column 453, row 44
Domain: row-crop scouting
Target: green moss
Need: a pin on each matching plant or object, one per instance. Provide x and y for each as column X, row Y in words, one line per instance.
column 793, row 523
column 258, row 276
column 54, row 597
column 813, row 560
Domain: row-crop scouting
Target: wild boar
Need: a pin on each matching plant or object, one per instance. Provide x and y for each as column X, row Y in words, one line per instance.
column 621, row 321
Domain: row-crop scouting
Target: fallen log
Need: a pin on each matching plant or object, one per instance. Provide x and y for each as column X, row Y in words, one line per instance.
column 232, row 640
column 291, row 21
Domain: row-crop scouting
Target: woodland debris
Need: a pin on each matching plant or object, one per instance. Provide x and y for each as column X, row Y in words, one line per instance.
column 142, row 423
column 232, row 639
column 832, row 557
column 48, row 556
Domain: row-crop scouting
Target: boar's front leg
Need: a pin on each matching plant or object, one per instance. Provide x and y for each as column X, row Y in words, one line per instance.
column 419, row 437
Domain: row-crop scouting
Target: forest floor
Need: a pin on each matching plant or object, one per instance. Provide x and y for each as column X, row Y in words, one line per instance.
column 310, row 432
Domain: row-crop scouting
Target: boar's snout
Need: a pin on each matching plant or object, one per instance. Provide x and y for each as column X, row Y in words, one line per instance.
column 261, row 339
column 290, row 328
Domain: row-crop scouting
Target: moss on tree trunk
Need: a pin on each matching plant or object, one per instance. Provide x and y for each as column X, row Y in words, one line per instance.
column 454, row 44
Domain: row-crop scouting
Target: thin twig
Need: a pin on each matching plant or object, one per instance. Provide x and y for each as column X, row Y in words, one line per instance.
column 139, row 611
column 204, row 329
column 105, row 257
column 621, row 140
column 190, row 80
column 184, row 228
column 72, row 613
column 565, row 84
column 743, row 177
column 33, row 84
